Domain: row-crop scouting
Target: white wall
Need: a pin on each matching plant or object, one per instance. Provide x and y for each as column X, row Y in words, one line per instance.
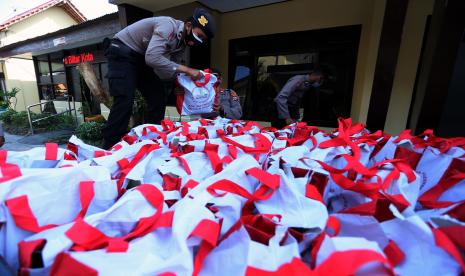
column 48, row 21
column 20, row 74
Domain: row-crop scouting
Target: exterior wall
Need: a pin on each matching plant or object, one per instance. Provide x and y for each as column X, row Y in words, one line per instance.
column 20, row 73
column 48, row 21
column 300, row 15
column 409, row 56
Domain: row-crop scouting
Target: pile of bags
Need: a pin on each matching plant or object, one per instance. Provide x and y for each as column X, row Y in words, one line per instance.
column 226, row 197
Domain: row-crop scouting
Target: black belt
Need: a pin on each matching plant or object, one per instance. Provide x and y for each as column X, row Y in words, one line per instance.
column 126, row 48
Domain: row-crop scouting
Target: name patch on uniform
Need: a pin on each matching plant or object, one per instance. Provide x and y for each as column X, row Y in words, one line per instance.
column 203, row 21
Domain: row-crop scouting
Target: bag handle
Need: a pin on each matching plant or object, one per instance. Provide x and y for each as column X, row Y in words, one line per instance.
column 207, row 77
column 348, row 262
column 86, row 237
column 270, row 182
column 25, row 219
column 209, row 232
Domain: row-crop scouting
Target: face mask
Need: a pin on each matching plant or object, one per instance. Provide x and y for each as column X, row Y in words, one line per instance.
column 192, row 37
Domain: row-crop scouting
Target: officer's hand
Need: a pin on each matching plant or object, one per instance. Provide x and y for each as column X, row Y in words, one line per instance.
column 289, row 121
column 234, row 94
column 194, row 74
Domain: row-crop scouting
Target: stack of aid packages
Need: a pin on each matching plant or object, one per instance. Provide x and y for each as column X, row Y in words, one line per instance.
column 225, row 197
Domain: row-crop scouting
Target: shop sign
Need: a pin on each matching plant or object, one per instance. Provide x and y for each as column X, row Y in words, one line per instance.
column 75, row 59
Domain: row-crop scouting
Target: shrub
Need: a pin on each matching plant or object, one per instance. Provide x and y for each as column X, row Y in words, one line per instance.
column 6, row 116
column 90, row 131
column 20, row 119
column 18, row 122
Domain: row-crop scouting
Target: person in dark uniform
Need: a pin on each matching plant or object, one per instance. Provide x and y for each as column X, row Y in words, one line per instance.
column 227, row 102
column 290, row 97
column 142, row 56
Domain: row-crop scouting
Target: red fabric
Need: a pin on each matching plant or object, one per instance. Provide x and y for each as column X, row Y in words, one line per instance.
column 334, row 224
column 209, row 232
column 73, row 148
column 395, row 255
column 189, row 185
column 86, row 237
column 211, row 150
column 312, row 192
column 65, row 265
column 270, row 183
column 3, row 156
column 348, row 262
column 207, row 78
column 129, row 139
column 148, row 129
column 171, row 183
column 51, row 151
column 299, row 172
column 445, row 243
column 454, row 174
column 26, row 248
column 455, row 234
column 126, row 166
column 100, row 153
column 259, row 227
column 410, row 156
column 184, row 164
column 24, row 217
column 9, row 172
column 295, row 267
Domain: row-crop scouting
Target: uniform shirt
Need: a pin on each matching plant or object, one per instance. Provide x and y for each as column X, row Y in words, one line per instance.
column 230, row 105
column 289, row 99
column 159, row 40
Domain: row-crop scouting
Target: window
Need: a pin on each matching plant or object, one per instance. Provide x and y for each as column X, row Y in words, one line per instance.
column 259, row 67
column 51, row 76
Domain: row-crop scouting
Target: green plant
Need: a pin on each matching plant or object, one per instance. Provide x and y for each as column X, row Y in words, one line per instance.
column 6, row 116
column 20, row 119
column 7, row 96
column 90, row 131
column 18, row 122
column 61, row 121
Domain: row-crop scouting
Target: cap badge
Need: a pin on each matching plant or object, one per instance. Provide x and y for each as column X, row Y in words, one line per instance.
column 203, row 21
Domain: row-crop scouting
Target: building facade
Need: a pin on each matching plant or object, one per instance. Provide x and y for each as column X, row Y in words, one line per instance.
column 55, row 57
column 18, row 70
column 379, row 52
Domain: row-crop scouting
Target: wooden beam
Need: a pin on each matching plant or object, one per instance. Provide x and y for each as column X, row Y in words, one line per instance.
column 386, row 63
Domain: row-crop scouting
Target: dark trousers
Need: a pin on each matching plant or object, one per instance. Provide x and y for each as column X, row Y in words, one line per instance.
column 127, row 72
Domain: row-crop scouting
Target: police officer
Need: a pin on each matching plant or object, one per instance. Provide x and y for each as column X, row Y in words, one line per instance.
column 227, row 103
column 142, row 55
column 290, row 97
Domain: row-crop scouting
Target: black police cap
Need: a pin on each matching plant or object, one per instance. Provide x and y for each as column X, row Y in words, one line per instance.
column 202, row 19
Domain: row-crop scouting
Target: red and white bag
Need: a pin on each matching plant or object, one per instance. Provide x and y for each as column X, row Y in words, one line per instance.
column 296, row 210
column 198, row 97
column 40, row 157
column 252, row 248
column 137, row 213
column 424, row 249
column 34, row 202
